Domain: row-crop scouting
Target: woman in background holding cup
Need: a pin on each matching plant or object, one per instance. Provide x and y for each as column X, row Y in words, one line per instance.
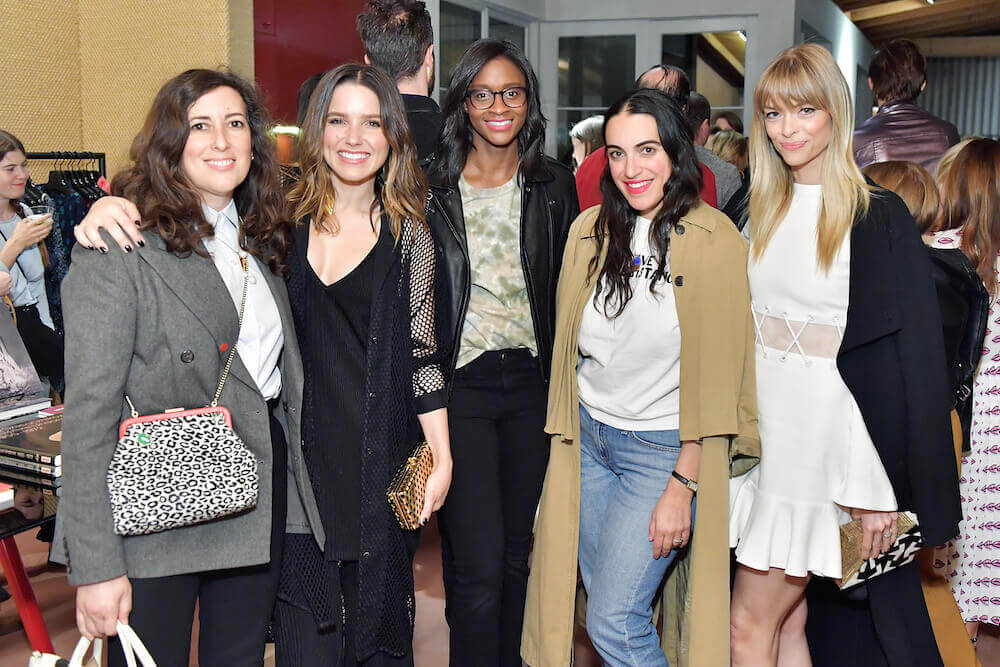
column 23, row 256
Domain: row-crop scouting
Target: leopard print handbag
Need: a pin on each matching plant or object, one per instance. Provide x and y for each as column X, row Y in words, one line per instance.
column 406, row 493
column 181, row 467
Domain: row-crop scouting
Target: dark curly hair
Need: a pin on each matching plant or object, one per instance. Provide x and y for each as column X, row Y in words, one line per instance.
column 167, row 201
column 455, row 140
column 615, row 223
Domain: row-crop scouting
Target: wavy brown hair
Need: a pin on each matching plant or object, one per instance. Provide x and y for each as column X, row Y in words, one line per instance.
column 914, row 185
column 167, row 200
column 400, row 185
column 970, row 201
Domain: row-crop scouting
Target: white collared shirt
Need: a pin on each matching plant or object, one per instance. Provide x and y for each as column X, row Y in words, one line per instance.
column 261, row 338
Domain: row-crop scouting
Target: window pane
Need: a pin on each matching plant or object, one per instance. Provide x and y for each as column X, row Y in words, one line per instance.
column 460, row 27
column 509, row 31
column 595, row 71
column 714, row 62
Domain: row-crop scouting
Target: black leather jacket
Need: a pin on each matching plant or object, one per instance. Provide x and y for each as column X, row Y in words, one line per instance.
column 548, row 208
column 965, row 305
column 903, row 131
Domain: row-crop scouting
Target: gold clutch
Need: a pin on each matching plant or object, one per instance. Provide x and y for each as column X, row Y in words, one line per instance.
column 406, row 493
column 857, row 570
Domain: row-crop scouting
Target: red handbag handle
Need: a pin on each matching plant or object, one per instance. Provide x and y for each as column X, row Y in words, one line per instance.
column 161, row 416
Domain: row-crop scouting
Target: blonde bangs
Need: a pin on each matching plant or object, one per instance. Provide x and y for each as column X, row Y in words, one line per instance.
column 805, row 74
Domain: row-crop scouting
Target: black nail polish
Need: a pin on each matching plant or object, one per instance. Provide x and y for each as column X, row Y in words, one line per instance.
column 142, row 244
column 128, row 248
column 104, row 251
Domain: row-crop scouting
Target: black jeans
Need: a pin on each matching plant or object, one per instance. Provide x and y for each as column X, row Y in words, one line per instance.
column 234, row 606
column 496, row 419
column 44, row 346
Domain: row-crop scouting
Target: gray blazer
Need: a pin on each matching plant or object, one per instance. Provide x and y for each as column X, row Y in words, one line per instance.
column 150, row 324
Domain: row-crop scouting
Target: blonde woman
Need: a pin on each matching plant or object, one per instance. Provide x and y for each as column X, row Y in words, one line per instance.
column 852, row 395
column 732, row 147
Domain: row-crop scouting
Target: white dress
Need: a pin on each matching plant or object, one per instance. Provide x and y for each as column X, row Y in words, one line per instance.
column 817, row 457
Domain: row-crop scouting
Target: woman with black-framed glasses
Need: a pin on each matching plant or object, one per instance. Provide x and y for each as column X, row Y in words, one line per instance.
column 510, row 208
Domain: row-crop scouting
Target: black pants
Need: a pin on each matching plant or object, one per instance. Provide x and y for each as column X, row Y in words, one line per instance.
column 300, row 643
column 234, row 606
column 45, row 346
column 496, row 419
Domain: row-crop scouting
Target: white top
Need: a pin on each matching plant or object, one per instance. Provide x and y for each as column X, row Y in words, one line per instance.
column 261, row 337
column 27, row 274
column 630, row 366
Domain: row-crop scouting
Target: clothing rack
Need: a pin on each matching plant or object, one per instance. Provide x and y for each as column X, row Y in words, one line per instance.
column 71, row 155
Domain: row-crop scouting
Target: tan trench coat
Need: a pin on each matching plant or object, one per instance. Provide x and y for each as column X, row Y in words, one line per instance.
column 717, row 405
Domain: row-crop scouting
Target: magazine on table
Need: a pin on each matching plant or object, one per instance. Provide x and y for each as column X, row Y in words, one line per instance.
column 21, row 390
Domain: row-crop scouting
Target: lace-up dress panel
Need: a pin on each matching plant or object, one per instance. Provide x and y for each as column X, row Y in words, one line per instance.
column 817, row 456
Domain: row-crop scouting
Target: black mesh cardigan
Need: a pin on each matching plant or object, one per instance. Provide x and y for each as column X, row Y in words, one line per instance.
column 404, row 377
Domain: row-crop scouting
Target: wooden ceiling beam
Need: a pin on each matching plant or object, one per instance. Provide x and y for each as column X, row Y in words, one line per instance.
column 976, row 9
column 879, row 10
column 959, row 47
column 952, row 27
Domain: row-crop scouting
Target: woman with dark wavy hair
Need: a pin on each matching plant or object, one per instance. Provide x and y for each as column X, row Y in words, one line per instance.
column 152, row 327
column 652, row 375
column 509, row 207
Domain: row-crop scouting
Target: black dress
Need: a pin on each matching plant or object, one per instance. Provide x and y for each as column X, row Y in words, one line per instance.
column 312, row 628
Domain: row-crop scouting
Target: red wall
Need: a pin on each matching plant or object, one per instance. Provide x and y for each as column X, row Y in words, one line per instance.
column 298, row 38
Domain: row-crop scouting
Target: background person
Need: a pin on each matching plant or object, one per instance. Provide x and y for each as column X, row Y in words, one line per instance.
column 970, row 220
column 398, row 38
column 586, row 136
column 900, row 130
column 23, row 256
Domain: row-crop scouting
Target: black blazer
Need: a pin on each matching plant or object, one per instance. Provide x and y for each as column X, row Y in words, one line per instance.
column 892, row 359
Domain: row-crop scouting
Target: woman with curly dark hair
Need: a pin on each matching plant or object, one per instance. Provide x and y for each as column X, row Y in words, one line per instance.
column 652, row 376
column 510, row 208
column 152, row 327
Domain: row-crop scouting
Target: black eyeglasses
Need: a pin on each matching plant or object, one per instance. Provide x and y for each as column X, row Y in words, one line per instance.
column 483, row 98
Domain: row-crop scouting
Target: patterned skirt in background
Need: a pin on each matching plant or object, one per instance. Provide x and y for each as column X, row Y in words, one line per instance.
column 972, row 560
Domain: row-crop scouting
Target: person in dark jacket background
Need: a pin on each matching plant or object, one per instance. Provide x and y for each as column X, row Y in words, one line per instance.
column 901, row 130
column 399, row 39
column 509, row 209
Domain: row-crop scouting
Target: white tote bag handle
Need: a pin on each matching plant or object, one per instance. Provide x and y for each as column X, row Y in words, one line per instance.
column 132, row 647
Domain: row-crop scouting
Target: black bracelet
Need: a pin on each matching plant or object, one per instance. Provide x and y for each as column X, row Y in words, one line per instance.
column 689, row 484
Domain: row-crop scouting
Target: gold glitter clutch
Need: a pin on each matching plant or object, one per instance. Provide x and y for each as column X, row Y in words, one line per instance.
column 406, row 493
column 857, row 570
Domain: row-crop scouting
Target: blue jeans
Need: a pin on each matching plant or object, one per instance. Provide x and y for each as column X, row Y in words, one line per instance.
column 622, row 476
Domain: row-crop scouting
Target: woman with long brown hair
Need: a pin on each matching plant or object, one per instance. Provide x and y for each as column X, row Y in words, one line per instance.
column 23, row 257
column 150, row 328
column 970, row 220
column 362, row 286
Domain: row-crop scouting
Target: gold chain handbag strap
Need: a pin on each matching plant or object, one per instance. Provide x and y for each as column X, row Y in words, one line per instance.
column 232, row 352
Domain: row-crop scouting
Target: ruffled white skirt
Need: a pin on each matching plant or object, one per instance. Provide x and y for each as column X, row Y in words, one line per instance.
column 817, row 458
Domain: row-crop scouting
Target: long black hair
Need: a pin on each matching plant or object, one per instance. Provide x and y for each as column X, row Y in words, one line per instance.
column 455, row 140
column 616, row 220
